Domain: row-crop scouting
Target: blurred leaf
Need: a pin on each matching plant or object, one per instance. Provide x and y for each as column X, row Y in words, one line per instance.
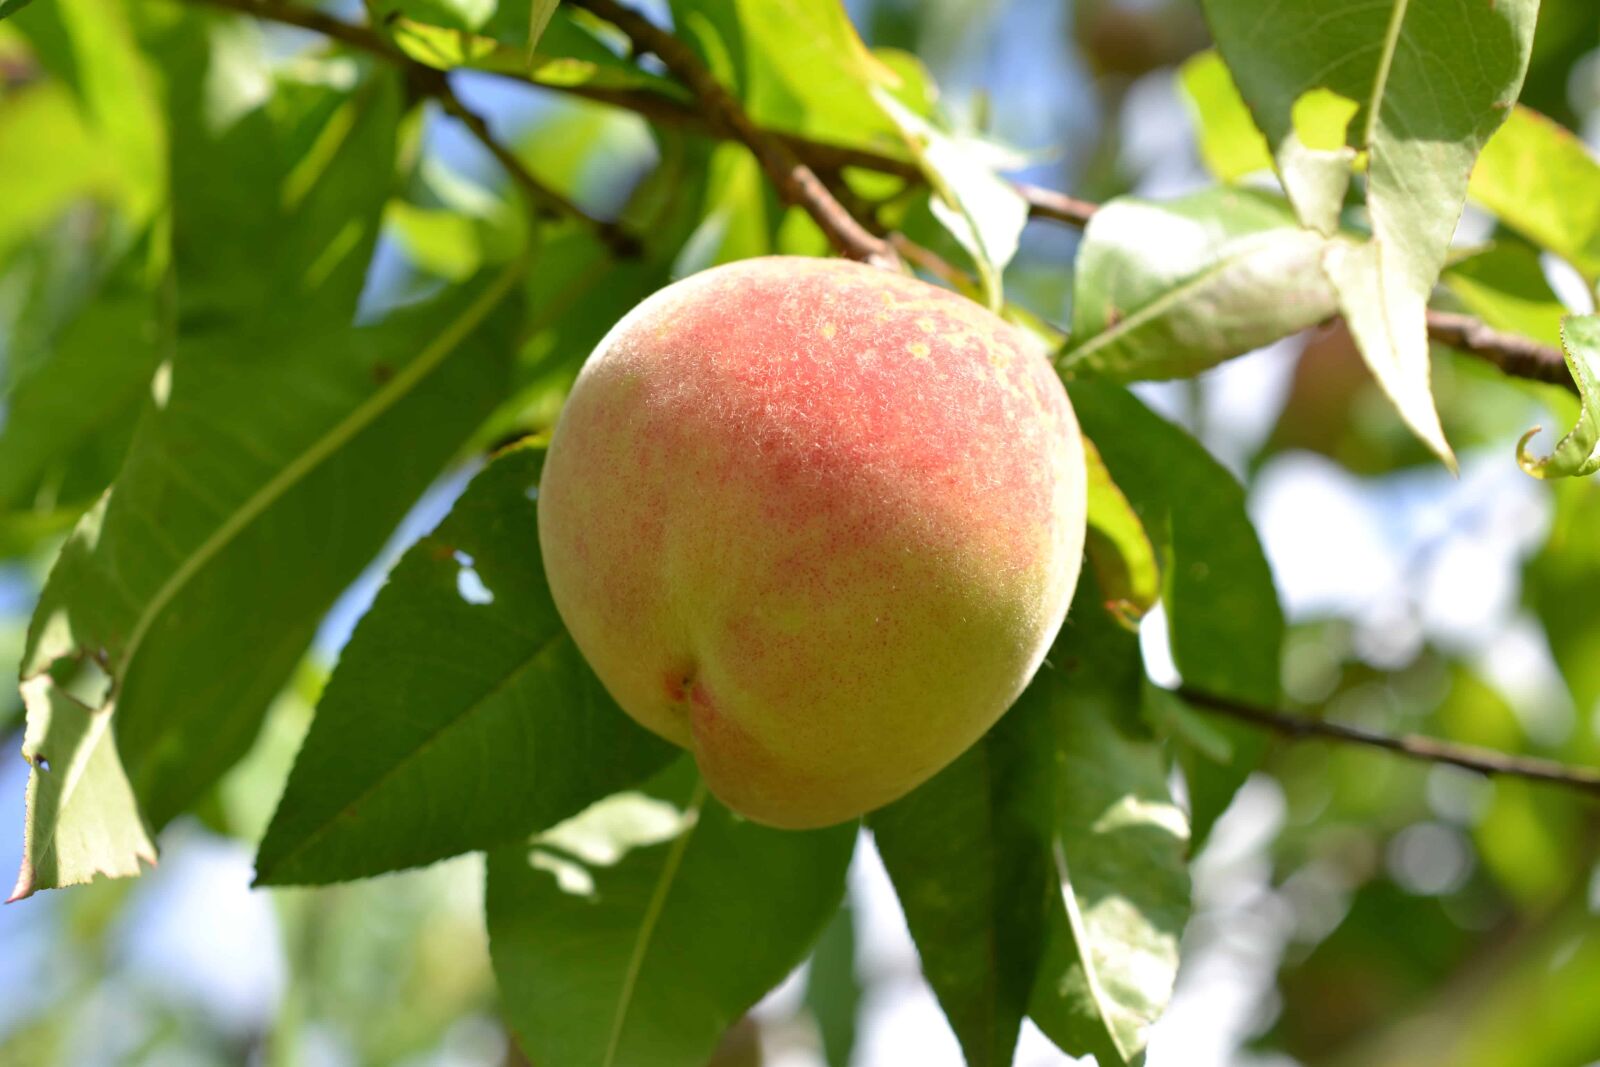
column 833, row 991
column 539, row 14
column 449, row 49
column 11, row 7
column 36, row 186
column 734, row 223
column 797, row 65
column 969, row 855
column 1505, row 286
column 1230, row 145
column 1235, row 271
column 981, row 210
column 1117, row 546
column 1421, row 85
column 636, row 932
column 71, row 412
column 1543, row 182
column 1119, row 848
column 1575, row 454
column 1223, row 619
column 461, row 715
column 90, row 45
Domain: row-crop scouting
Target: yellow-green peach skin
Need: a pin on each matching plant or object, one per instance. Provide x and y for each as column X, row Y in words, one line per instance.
column 817, row 523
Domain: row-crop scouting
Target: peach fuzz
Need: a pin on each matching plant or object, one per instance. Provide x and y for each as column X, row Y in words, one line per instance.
column 815, row 522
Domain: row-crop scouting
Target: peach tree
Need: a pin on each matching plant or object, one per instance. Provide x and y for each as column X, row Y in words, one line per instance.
column 255, row 316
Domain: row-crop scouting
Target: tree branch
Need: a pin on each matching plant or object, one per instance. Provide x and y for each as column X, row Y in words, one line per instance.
column 791, row 162
column 1483, row 761
column 1515, row 355
column 796, row 182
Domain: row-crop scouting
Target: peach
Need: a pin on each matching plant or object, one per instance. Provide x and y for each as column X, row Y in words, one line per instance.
column 815, row 522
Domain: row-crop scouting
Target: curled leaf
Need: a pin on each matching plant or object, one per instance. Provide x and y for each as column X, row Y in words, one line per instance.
column 1575, row 454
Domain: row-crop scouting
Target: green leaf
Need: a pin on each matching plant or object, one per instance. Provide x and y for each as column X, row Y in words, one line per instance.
column 1235, row 271
column 1505, row 286
column 278, row 446
column 265, row 469
column 1118, row 549
column 90, row 46
column 1575, row 454
column 833, row 991
column 82, row 819
column 447, row 48
column 981, row 210
column 1118, row 850
column 1421, row 85
column 1541, row 180
column 11, row 7
column 461, row 715
column 71, row 413
column 633, row 934
column 969, row 855
column 1231, row 146
column 798, row 66
column 1224, row 623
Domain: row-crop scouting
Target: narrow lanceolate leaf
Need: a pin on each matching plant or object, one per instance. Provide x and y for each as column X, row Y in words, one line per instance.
column 969, row 855
column 1118, row 848
column 1575, row 454
column 1544, row 182
column 1223, row 618
column 1236, row 271
column 1419, row 86
column 277, row 448
column 461, row 715
column 635, row 933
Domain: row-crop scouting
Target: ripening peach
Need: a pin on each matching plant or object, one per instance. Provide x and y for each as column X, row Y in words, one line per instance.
column 817, row 523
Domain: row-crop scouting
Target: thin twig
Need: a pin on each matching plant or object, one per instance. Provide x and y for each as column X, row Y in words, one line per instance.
column 798, row 158
column 1483, row 761
column 796, row 182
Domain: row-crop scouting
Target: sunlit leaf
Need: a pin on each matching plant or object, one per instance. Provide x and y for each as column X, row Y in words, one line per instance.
column 1117, row 547
column 636, row 932
column 1230, row 145
column 1544, row 182
column 797, row 65
column 1168, row 289
column 1576, row 453
column 461, row 716
column 1421, row 85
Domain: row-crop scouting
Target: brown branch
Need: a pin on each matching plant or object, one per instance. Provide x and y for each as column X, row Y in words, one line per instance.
column 1485, row 761
column 792, row 162
column 796, row 182
column 1515, row 355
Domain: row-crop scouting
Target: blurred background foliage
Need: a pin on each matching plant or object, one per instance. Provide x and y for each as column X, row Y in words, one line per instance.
column 1350, row 909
